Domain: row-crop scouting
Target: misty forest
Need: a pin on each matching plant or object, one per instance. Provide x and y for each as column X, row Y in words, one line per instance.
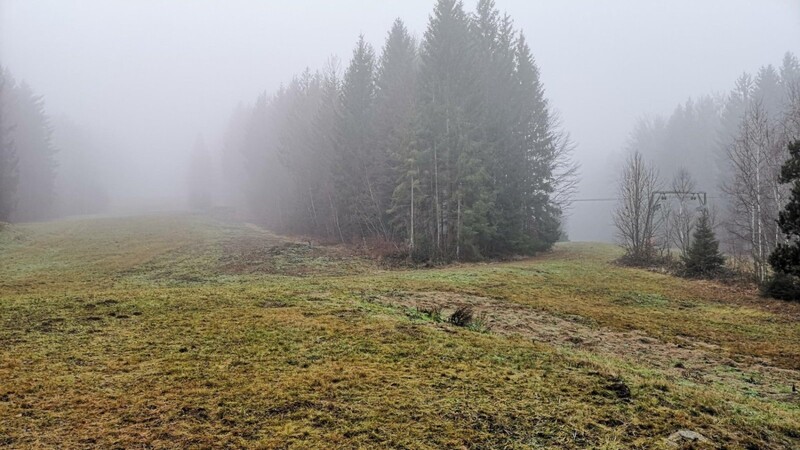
column 411, row 243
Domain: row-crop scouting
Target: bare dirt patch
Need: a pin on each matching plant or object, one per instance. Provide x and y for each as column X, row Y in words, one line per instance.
column 699, row 362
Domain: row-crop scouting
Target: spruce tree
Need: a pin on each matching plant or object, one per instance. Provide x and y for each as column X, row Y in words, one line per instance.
column 451, row 179
column 8, row 161
column 325, row 142
column 785, row 259
column 35, row 155
column 536, row 139
column 395, row 102
column 703, row 257
column 503, row 162
column 359, row 164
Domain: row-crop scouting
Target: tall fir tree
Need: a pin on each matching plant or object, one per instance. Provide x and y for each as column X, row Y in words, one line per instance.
column 325, row 129
column 495, row 47
column 395, row 102
column 35, row 155
column 255, row 151
column 312, row 211
column 360, row 164
column 536, row 138
column 8, row 159
column 451, row 180
column 789, row 72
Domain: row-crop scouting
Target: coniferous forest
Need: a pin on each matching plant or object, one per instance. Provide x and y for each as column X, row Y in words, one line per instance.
column 443, row 149
column 35, row 184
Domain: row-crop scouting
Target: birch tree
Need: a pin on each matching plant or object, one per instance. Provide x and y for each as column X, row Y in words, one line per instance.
column 682, row 220
column 754, row 189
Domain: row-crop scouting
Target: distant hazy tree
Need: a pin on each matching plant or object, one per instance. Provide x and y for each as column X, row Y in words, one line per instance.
column 635, row 216
column 769, row 92
column 257, row 149
column 31, row 135
column 682, row 220
column 326, row 148
column 79, row 185
column 702, row 257
column 201, row 179
column 686, row 140
column 361, row 165
column 8, row 159
column 564, row 168
column 233, row 170
column 305, row 114
column 790, row 82
column 731, row 117
column 785, row 259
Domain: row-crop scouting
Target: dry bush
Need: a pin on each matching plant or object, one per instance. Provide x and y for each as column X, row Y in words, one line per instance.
column 462, row 316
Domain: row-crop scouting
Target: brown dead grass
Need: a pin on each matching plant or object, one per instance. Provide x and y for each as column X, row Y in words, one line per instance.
column 693, row 360
column 184, row 332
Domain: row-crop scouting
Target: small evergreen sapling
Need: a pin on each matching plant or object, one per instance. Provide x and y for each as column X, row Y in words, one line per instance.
column 703, row 257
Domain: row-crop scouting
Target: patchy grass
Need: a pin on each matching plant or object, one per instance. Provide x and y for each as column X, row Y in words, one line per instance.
column 179, row 331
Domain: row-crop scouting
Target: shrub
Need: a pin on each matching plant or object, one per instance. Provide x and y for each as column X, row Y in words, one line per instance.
column 462, row 316
column 782, row 287
column 649, row 260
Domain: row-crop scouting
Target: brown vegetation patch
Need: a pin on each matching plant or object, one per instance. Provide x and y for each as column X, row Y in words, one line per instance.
column 688, row 359
column 747, row 294
column 266, row 254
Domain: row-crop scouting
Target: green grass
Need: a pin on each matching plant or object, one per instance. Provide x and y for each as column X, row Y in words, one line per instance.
column 173, row 331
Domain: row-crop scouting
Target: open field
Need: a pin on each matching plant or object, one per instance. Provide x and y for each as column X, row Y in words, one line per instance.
column 179, row 331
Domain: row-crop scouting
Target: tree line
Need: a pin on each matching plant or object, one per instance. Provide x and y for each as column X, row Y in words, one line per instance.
column 442, row 149
column 35, row 184
column 732, row 148
column 27, row 161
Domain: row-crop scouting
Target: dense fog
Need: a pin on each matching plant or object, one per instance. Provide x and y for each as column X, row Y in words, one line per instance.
column 141, row 96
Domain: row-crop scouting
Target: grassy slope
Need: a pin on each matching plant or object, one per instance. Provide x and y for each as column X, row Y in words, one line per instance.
column 168, row 331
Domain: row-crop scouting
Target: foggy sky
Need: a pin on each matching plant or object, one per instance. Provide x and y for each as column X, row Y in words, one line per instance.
column 146, row 77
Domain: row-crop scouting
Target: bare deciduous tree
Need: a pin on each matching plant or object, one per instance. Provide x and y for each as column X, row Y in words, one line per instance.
column 683, row 218
column 635, row 216
column 564, row 168
column 754, row 190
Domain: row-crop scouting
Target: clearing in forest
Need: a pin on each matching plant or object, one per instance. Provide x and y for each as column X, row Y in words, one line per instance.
column 180, row 331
